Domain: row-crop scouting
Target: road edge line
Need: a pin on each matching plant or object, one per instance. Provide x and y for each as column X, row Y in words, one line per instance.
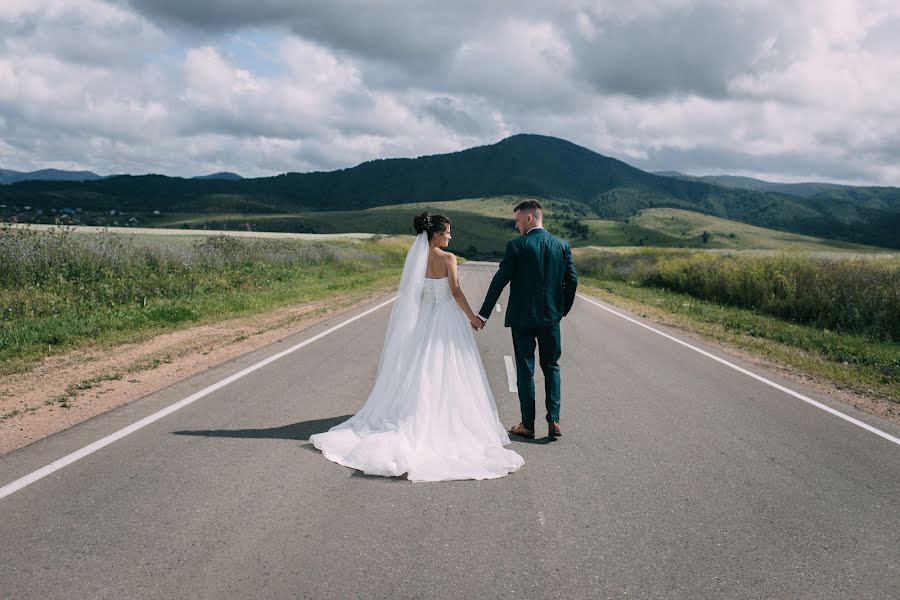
column 777, row 386
column 58, row 464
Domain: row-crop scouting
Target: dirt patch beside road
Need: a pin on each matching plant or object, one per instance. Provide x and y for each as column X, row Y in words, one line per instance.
column 64, row 390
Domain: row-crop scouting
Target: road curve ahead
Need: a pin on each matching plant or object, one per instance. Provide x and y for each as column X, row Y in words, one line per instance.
column 677, row 477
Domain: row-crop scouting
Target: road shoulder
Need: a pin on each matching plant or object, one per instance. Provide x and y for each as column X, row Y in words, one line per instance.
column 878, row 406
column 67, row 389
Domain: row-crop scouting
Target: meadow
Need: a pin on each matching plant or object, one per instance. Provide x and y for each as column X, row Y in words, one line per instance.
column 734, row 235
column 827, row 307
column 61, row 290
column 482, row 226
column 834, row 314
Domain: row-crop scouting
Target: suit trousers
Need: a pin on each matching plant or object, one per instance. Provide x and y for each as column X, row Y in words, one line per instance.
column 547, row 339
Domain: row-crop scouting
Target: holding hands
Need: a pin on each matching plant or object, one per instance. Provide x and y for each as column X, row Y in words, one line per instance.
column 477, row 323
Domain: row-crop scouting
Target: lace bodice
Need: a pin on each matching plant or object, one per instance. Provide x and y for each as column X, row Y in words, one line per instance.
column 435, row 292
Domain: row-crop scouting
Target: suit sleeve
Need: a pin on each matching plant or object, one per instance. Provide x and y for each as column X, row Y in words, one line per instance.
column 501, row 278
column 570, row 282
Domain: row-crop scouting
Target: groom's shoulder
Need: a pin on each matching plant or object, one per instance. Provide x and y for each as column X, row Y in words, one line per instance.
column 562, row 243
column 517, row 242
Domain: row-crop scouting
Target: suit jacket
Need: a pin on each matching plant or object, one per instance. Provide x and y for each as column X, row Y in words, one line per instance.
column 542, row 278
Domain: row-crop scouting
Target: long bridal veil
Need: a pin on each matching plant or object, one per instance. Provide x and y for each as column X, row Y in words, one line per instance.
column 384, row 409
column 405, row 312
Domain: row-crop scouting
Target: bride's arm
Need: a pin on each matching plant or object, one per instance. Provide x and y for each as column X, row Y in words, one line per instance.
column 453, row 280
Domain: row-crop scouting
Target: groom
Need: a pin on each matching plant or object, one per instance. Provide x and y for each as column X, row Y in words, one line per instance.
column 539, row 268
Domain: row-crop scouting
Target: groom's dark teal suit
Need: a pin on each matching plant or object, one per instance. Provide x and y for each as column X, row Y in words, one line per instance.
column 541, row 275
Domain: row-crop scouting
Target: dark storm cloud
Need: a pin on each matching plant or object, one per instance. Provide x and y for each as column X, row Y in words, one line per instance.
column 417, row 39
column 694, row 50
column 448, row 113
column 72, row 35
column 392, row 31
column 217, row 15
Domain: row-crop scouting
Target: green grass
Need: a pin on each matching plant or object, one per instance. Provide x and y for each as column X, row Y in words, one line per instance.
column 688, row 227
column 616, row 233
column 482, row 226
column 833, row 315
column 60, row 291
column 852, row 294
column 856, row 362
column 475, row 235
column 500, row 207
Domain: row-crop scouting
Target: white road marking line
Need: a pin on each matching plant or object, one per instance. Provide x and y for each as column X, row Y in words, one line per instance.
column 18, row 484
column 498, row 308
column 777, row 386
column 541, row 519
column 510, row 374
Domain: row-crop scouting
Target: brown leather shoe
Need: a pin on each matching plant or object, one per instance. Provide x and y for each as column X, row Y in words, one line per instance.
column 520, row 431
column 553, row 429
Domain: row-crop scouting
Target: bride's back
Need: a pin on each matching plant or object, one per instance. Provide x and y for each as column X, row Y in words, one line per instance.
column 437, row 264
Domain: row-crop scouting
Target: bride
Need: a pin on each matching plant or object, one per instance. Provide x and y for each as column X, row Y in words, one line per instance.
column 431, row 413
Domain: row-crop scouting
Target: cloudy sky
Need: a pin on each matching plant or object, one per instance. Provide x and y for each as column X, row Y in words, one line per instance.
column 787, row 91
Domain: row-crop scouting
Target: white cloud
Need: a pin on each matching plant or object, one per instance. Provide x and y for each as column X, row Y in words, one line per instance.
column 787, row 90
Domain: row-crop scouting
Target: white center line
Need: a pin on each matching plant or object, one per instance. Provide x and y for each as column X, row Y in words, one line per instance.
column 18, row 484
column 777, row 386
column 498, row 307
column 510, row 374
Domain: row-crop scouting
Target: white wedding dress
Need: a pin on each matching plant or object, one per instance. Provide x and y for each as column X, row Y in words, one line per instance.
column 431, row 413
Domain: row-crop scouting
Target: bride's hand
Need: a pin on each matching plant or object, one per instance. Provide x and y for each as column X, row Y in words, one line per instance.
column 476, row 323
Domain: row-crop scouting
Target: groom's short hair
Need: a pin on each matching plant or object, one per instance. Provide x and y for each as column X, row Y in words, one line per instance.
column 530, row 205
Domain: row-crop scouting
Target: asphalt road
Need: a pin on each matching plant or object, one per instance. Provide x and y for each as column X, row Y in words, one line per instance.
column 676, row 477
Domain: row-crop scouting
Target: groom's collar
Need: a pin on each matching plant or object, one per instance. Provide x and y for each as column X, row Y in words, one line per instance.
column 533, row 229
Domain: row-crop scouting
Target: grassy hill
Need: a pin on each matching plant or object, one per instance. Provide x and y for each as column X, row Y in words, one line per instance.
column 482, row 226
column 476, row 233
column 723, row 233
column 590, row 185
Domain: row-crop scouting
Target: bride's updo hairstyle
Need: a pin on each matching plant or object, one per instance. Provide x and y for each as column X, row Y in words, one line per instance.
column 431, row 224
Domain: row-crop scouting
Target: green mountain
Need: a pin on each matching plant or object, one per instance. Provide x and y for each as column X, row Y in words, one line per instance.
column 220, row 175
column 7, row 176
column 593, row 185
